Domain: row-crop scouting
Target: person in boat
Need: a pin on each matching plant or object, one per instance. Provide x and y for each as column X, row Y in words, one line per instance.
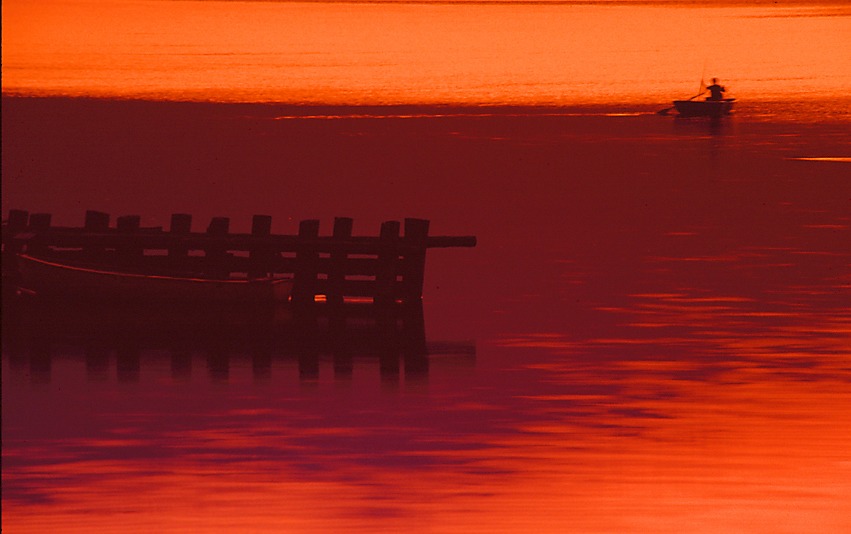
column 716, row 91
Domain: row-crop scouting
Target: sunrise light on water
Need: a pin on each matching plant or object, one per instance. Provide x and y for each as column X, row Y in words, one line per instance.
column 424, row 52
column 651, row 334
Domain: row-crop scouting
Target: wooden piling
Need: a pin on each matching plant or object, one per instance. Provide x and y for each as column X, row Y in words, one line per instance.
column 259, row 255
column 219, row 226
column 16, row 224
column 181, row 225
column 39, row 226
column 337, row 268
column 215, row 252
column 388, row 255
column 416, row 238
column 95, row 222
column 17, row 221
column 307, row 260
column 129, row 251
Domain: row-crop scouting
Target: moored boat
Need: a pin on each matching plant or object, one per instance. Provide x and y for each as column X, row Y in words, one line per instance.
column 51, row 279
column 704, row 108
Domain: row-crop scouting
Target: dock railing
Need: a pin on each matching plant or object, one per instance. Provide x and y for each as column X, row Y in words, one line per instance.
column 386, row 269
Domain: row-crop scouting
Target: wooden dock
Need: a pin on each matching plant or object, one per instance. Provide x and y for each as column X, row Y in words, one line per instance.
column 385, row 269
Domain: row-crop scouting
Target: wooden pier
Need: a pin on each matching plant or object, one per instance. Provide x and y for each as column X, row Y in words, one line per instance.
column 386, row 269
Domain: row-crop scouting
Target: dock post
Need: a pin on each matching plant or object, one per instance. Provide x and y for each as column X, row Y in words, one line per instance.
column 259, row 255
column 39, row 226
column 129, row 253
column 416, row 241
column 413, row 322
column 215, row 253
column 17, row 220
column 181, row 226
column 307, row 258
column 96, row 222
column 387, row 269
column 181, row 223
column 16, row 224
column 219, row 226
column 337, row 269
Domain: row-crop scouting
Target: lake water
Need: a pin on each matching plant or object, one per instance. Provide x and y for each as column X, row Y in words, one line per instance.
column 653, row 333
column 562, row 53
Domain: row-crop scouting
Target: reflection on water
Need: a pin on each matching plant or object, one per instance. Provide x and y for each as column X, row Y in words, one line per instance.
column 710, row 412
column 36, row 332
column 713, row 406
column 659, row 313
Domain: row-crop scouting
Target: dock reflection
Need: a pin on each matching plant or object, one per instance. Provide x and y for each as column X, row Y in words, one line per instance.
column 35, row 333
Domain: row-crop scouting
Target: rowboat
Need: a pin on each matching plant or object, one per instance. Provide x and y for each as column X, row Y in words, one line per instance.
column 50, row 279
column 704, row 108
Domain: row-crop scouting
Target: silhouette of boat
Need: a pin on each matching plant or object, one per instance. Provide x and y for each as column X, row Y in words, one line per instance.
column 49, row 279
column 704, row 108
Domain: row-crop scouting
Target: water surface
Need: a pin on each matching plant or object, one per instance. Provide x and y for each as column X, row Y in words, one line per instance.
column 427, row 52
column 652, row 334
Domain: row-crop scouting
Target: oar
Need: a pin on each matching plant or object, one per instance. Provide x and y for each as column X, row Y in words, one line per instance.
column 668, row 110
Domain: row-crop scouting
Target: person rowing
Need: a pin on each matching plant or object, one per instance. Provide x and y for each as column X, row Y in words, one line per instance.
column 716, row 91
column 714, row 105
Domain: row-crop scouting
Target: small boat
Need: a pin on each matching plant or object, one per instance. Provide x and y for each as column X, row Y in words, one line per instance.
column 49, row 279
column 704, row 108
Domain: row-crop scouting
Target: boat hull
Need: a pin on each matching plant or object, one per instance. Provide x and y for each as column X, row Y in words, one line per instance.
column 48, row 279
column 704, row 108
